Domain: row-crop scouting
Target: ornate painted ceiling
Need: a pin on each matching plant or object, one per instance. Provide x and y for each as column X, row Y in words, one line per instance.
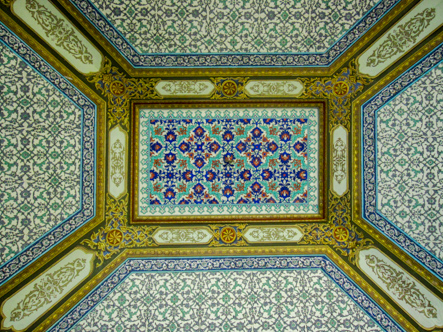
column 208, row 165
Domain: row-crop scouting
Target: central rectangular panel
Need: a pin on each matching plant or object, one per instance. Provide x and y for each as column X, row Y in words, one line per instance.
column 227, row 162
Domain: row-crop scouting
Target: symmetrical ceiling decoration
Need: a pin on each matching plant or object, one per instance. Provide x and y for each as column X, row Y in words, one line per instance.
column 221, row 165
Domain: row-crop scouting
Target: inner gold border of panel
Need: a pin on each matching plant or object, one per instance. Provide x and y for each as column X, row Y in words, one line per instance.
column 321, row 216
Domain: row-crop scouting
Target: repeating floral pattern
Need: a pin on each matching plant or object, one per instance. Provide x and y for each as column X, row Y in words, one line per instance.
column 226, row 162
column 407, row 161
column 40, row 155
column 33, row 241
column 410, row 161
column 236, row 294
column 217, row 26
column 205, row 33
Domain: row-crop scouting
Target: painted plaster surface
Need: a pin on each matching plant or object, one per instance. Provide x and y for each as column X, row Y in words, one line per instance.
column 410, row 161
column 118, row 155
column 413, row 28
column 216, row 26
column 40, row 155
column 33, row 300
column 185, row 88
column 228, row 161
column 53, row 27
column 274, row 88
column 422, row 305
column 236, row 294
column 182, row 235
column 339, row 170
column 263, row 234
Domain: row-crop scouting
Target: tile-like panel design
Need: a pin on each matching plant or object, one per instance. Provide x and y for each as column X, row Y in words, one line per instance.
column 47, row 159
column 32, row 301
column 40, row 155
column 274, row 88
column 215, row 161
column 272, row 234
column 185, row 88
column 55, row 29
column 118, row 160
column 339, row 157
column 422, row 305
column 235, row 293
column 218, row 33
column 182, row 235
column 402, row 161
column 410, row 161
column 413, row 28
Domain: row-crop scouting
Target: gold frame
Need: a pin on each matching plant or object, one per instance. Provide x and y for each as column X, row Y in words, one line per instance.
column 319, row 217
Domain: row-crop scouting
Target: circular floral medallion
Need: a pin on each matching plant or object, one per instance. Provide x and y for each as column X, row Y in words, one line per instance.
column 117, row 88
column 227, row 235
column 340, row 233
column 340, row 89
column 114, row 237
column 229, row 88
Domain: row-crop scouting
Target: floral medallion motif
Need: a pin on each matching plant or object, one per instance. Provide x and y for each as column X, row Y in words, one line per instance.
column 114, row 237
column 340, row 89
column 229, row 88
column 228, row 235
column 340, row 233
column 117, row 88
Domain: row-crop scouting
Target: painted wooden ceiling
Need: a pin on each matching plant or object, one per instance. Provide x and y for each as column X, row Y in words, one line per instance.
column 244, row 165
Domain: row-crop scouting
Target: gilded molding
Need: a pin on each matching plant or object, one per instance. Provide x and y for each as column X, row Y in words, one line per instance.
column 229, row 218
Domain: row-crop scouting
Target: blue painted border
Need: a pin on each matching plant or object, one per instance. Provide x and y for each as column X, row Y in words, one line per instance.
column 369, row 197
column 240, row 263
column 226, row 60
column 88, row 159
